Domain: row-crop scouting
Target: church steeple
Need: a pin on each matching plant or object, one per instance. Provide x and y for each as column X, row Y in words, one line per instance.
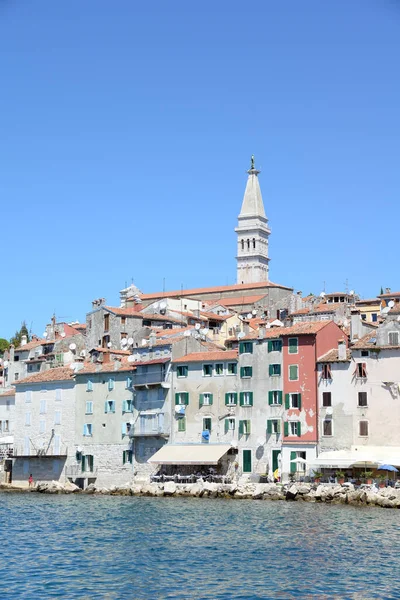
column 252, row 231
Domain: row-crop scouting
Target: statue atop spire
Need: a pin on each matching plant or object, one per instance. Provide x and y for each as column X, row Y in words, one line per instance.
column 253, row 169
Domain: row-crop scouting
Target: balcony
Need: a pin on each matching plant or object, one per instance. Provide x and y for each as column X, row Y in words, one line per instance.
column 75, row 471
column 149, row 425
column 138, row 431
column 146, row 380
column 21, row 451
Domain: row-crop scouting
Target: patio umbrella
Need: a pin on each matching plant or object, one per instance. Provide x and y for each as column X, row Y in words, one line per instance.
column 300, row 461
column 388, row 468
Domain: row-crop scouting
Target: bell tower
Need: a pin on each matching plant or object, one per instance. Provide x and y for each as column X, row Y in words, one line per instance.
column 252, row 233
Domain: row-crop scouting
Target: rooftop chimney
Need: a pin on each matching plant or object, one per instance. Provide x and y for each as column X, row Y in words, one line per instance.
column 24, row 340
column 342, row 350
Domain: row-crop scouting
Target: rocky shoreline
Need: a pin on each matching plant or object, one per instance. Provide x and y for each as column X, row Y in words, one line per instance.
column 387, row 497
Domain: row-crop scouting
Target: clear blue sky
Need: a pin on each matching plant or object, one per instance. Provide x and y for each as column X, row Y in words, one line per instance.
column 127, row 127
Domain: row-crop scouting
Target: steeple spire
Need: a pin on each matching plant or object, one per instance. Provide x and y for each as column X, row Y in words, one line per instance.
column 253, row 231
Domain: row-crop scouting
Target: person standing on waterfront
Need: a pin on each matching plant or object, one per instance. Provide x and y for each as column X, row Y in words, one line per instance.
column 30, row 480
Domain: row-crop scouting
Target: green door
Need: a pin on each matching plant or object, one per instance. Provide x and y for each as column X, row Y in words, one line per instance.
column 293, row 465
column 246, row 461
column 275, row 463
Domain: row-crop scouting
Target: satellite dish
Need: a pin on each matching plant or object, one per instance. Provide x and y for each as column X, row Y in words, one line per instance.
column 322, row 294
column 5, row 364
column 130, row 341
column 109, row 345
column 249, row 315
column 124, row 342
column 131, row 358
column 72, row 346
column 351, row 293
column 144, row 342
column 254, row 312
column 45, row 334
column 390, row 304
column 205, row 330
column 62, row 334
column 163, row 305
column 187, row 333
column 241, row 335
column 197, row 326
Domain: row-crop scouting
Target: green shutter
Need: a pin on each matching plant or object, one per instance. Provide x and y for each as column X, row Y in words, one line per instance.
column 226, row 398
column 211, row 399
column 280, row 397
column 201, row 399
column 250, row 349
column 287, row 401
column 241, row 347
column 286, row 429
column 83, row 463
column 182, row 424
column 250, row 371
column 226, row 425
column 270, row 370
column 293, row 466
column 279, row 370
column 278, row 426
column 240, row 427
column 241, row 398
column 269, row 426
column 299, row 401
column 298, row 429
column 248, row 427
column 177, row 398
column 186, row 398
column 106, row 406
column 241, row 371
column 269, row 345
column 251, row 398
column 269, row 398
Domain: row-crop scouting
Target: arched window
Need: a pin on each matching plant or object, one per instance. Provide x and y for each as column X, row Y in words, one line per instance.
column 248, row 244
column 242, row 244
column 254, row 242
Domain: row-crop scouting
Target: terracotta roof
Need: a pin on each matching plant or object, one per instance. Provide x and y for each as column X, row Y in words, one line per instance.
column 364, row 343
column 172, row 332
column 9, row 392
column 111, row 351
column 241, row 300
column 390, row 295
column 79, row 326
column 209, row 316
column 214, row 289
column 208, row 356
column 156, row 317
column 57, row 374
column 126, row 311
column 304, row 328
column 320, row 308
column 368, row 301
column 31, row 345
column 108, row 367
column 333, row 356
column 395, row 310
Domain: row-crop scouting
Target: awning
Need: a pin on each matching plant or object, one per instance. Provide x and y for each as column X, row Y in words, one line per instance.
column 357, row 457
column 189, row 454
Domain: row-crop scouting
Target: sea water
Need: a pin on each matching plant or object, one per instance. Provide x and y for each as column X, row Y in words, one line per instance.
column 111, row 547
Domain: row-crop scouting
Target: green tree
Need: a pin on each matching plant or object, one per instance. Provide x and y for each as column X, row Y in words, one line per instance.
column 4, row 345
column 16, row 339
column 381, row 290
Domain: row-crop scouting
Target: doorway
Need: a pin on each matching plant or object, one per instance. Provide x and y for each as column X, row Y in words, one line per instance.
column 246, row 461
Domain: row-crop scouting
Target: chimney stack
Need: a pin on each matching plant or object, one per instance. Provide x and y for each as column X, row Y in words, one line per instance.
column 342, row 350
column 24, row 340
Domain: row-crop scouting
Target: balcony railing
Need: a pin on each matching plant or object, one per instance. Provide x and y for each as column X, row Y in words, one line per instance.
column 138, row 431
column 145, row 379
column 52, row 452
column 76, row 471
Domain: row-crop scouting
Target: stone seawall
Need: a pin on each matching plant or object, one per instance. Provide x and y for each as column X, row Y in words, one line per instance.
column 387, row 497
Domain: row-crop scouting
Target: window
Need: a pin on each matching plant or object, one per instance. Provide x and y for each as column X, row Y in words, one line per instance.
column 374, row 317
column 182, row 371
column 293, row 428
column 207, row 370
column 109, row 406
column 219, row 369
column 42, row 426
column 242, row 244
column 275, row 398
column 254, row 243
column 106, row 322
column 246, row 347
column 88, row 429
column 207, row 424
column 363, row 316
column 327, row 427
column 27, row 418
column 246, row 371
column 248, row 244
column 365, row 353
column 42, row 407
column 111, row 383
column 361, row 370
column 89, row 407
column 293, row 400
column 57, row 417
column 182, row 398
column 123, row 321
column 127, row 406
column 293, row 372
column 293, row 345
column 182, row 424
column 16, row 358
column 87, row 463
column 127, row 456
column 326, row 372
column 125, row 428
column 229, row 425
column 274, row 345
column 363, row 428
column 129, row 382
column 273, row 426
column 362, row 399
column 16, row 375
column 393, row 338
column 274, row 369
column 6, row 426
column 326, row 399
column 246, row 398
column 232, row 368
column 89, row 385
column 205, row 399
column 244, row 427
column 231, row 398
column 28, row 396
column 58, row 394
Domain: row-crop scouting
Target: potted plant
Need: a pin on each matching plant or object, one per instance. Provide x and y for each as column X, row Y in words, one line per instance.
column 382, row 480
column 340, row 477
column 368, row 476
column 317, row 476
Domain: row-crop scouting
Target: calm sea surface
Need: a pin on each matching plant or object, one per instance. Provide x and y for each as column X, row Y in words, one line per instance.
column 149, row 548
